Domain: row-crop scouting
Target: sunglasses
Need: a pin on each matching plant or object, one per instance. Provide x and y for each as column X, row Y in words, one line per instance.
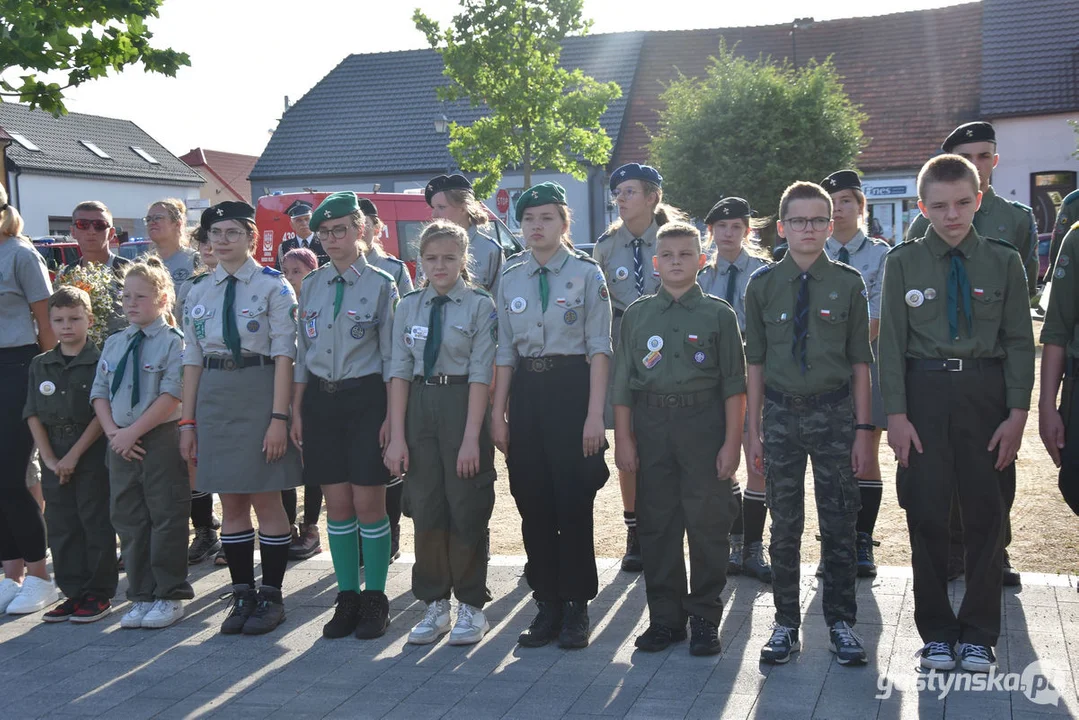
column 99, row 225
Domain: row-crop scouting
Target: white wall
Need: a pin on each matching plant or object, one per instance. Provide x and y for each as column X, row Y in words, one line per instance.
column 1030, row 145
column 41, row 196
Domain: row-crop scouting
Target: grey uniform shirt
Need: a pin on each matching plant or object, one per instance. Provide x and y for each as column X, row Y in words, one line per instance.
column 713, row 280
column 867, row 257
column 24, row 279
column 160, row 370
column 614, row 253
column 265, row 310
column 182, row 265
column 485, row 259
column 397, row 269
column 355, row 343
column 469, row 334
column 578, row 317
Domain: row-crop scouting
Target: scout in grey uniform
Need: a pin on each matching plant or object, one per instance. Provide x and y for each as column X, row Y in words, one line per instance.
column 726, row 276
column 554, row 321
column 444, row 339
column 451, row 198
column 342, row 369
column 849, row 244
column 240, row 324
column 136, row 395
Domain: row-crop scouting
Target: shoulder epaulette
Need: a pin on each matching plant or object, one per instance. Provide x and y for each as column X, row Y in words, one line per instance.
column 1021, row 206
column 905, row 243
column 763, row 270
column 270, row 271
column 199, row 278
column 412, row 292
column 176, row 330
column 604, row 236
column 521, row 258
column 582, row 255
column 1005, row 243
column 481, row 291
column 379, row 271
column 846, row 268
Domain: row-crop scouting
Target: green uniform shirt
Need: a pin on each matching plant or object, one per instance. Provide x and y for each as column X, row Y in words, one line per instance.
column 1067, row 215
column 698, row 347
column 1061, row 325
column 1009, row 221
column 914, row 316
column 838, row 325
column 59, row 391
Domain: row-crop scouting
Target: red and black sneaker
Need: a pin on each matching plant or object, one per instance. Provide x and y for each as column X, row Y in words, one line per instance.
column 91, row 608
column 62, row 612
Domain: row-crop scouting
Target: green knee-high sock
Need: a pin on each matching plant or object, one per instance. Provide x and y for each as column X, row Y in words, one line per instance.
column 376, row 553
column 345, row 551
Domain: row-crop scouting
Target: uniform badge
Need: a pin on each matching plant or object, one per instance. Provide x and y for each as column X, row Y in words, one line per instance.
column 651, row 359
column 180, row 274
column 518, row 305
column 419, row 332
column 104, row 365
column 1059, row 273
column 782, row 317
column 409, row 340
column 621, row 273
column 914, row 298
column 1063, row 260
column 655, row 343
column 570, row 317
column 692, row 338
column 198, row 312
column 979, row 292
column 292, row 312
column 930, row 293
column 494, row 333
column 825, row 313
column 253, row 326
column 833, row 295
column 200, row 329
column 698, row 357
column 356, row 331
column 603, row 294
column 47, row 388
column 254, row 298
column 599, row 277
column 310, row 326
column 560, row 301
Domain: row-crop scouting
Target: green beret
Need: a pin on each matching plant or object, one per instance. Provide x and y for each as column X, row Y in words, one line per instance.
column 547, row 193
column 337, row 205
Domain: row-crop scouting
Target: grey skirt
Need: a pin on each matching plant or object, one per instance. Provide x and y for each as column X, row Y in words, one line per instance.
column 233, row 413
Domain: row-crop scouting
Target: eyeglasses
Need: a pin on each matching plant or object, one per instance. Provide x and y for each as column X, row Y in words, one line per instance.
column 627, row 193
column 156, row 219
column 338, row 232
column 99, row 225
column 799, row 224
column 232, row 235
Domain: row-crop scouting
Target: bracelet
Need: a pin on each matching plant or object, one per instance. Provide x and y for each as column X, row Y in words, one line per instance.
column 865, row 426
column 190, row 426
column 186, row 423
column 279, row 416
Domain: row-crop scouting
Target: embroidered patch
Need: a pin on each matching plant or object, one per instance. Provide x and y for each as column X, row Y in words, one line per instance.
column 494, row 333
column 979, row 292
column 292, row 312
column 311, row 327
column 692, row 338
column 200, row 329
column 570, row 317
column 824, row 313
column 698, row 357
column 651, row 359
column 357, row 331
column 253, row 326
column 833, row 295
column 603, row 295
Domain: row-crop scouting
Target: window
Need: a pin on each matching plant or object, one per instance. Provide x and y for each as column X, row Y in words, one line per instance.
column 408, row 240
column 145, row 155
column 24, row 141
column 95, row 150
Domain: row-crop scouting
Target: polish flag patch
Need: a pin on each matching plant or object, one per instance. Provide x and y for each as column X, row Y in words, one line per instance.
column 978, row 292
column 825, row 313
column 693, row 338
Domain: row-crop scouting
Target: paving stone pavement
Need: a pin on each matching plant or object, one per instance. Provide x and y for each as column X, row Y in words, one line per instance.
column 189, row 670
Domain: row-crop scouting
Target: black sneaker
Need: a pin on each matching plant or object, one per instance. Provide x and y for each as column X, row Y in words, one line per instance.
column 545, row 627
column 937, row 656
column 374, row 615
column 91, row 608
column 781, row 645
column 864, row 546
column 345, row 617
column 734, row 562
column 658, row 638
column 705, row 640
column 244, row 599
column 631, row 561
column 269, row 612
column 845, row 643
column 976, row 658
column 575, row 625
column 62, row 612
column 395, row 542
column 205, row 544
column 1011, row 575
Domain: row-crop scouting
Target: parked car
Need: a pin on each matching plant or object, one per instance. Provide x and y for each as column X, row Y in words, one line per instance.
column 133, row 249
column 57, row 251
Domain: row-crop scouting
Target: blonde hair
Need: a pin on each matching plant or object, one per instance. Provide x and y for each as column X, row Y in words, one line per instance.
column 678, row 229
column 708, row 243
column 11, row 224
column 375, row 246
column 463, row 197
column 152, row 270
column 441, row 229
column 661, row 212
column 176, row 208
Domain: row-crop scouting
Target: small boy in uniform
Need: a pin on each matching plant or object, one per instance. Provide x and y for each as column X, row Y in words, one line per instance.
column 679, row 404
column 808, row 354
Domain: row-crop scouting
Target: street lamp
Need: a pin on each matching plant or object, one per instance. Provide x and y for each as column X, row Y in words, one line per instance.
column 442, row 125
column 799, row 24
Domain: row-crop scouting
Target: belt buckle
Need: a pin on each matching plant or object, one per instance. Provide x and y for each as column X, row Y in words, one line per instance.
column 671, row 400
column 798, row 401
column 958, row 367
column 329, row 387
column 228, row 364
column 435, row 380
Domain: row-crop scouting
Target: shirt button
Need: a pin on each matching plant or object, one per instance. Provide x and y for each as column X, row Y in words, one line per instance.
column 539, row 324
column 677, row 355
column 329, row 325
column 328, row 352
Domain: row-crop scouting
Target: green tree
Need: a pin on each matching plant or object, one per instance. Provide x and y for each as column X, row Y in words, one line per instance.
column 750, row 128
column 504, row 54
column 85, row 39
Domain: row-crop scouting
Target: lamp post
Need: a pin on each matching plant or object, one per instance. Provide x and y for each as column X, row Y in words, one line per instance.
column 442, row 127
column 799, row 24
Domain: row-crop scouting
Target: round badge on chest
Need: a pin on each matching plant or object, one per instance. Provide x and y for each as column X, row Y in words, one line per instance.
column 655, row 343
column 914, row 298
column 253, row 326
column 621, row 273
column 198, row 312
column 698, row 357
column 930, row 293
column 356, row 332
column 47, row 388
column 409, row 340
column 518, row 305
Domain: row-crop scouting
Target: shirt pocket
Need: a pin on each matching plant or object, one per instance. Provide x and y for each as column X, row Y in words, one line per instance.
column 831, row 323
column 253, row 320
column 701, row 351
column 779, row 327
column 988, row 306
column 360, row 324
column 573, row 310
column 924, row 316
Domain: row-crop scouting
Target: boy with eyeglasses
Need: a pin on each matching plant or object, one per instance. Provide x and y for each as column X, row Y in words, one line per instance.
column 807, row 356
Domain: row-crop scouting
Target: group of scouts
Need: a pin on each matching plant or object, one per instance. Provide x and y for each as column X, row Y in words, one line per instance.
column 696, row 351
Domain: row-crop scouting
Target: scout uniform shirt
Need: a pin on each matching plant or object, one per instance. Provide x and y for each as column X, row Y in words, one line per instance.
column 614, row 253
column 1061, row 326
column 838, row 324
column 265, row 309
column 396, row 269
column 485, row 266
column 867, row 257
column 997, row 218
column 59, row 391
column 159, row 370
column 578, row 316
column 182, row 265
column 914, row 314
column 715, row 280
column 469, row 334
column 356, row 342
column 24, row 279
column 1067, row 215
column 680, row 346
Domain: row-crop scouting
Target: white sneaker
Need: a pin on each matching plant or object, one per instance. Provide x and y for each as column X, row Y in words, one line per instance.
column 36, row 594
column 8, row 590
column 471, row 625
column 163, row 613
column 133, row 617
column 435, row 623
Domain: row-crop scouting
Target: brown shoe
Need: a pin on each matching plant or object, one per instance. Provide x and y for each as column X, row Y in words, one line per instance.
column 306, row 544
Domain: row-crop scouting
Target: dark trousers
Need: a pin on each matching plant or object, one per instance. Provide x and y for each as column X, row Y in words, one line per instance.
column 678, row 494
column 81, row 535
column 1068, row 479
column 552, row 482
column 955, row 415
column 450, row 513
column 825, row 434
column 22, row 529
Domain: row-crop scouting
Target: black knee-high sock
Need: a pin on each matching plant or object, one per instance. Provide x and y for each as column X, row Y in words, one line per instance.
column 288, row 499
column 274, row 550
column 312, row 504
column 202, row 510
column 630, row 519
column 239, row 550
column 754, row 511
column 870, row 491
column 737, row 523
column 393, row 503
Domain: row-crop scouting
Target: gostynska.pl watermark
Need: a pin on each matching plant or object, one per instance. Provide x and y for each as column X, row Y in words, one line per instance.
column 1040, row 682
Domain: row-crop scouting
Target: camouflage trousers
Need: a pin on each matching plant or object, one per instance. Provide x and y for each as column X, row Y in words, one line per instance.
column 823, row 433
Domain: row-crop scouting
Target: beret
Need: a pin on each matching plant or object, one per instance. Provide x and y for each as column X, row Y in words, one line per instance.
column 547, row 193
column 729, row 207
column 969, row 133
column 841, row 180
column 635, row 171
column 368, row 208
column 442, row 183
column 298, row 209
column 335, row 205
column 228, row 210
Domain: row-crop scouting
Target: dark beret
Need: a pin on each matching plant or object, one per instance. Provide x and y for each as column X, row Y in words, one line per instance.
column 969, row 133
column 841, row 180
column 635, row 171
column 298, row 209
column 727, row 208
column 368, row 208
column 443, row 183
column 547, row 193
column 228, row 210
